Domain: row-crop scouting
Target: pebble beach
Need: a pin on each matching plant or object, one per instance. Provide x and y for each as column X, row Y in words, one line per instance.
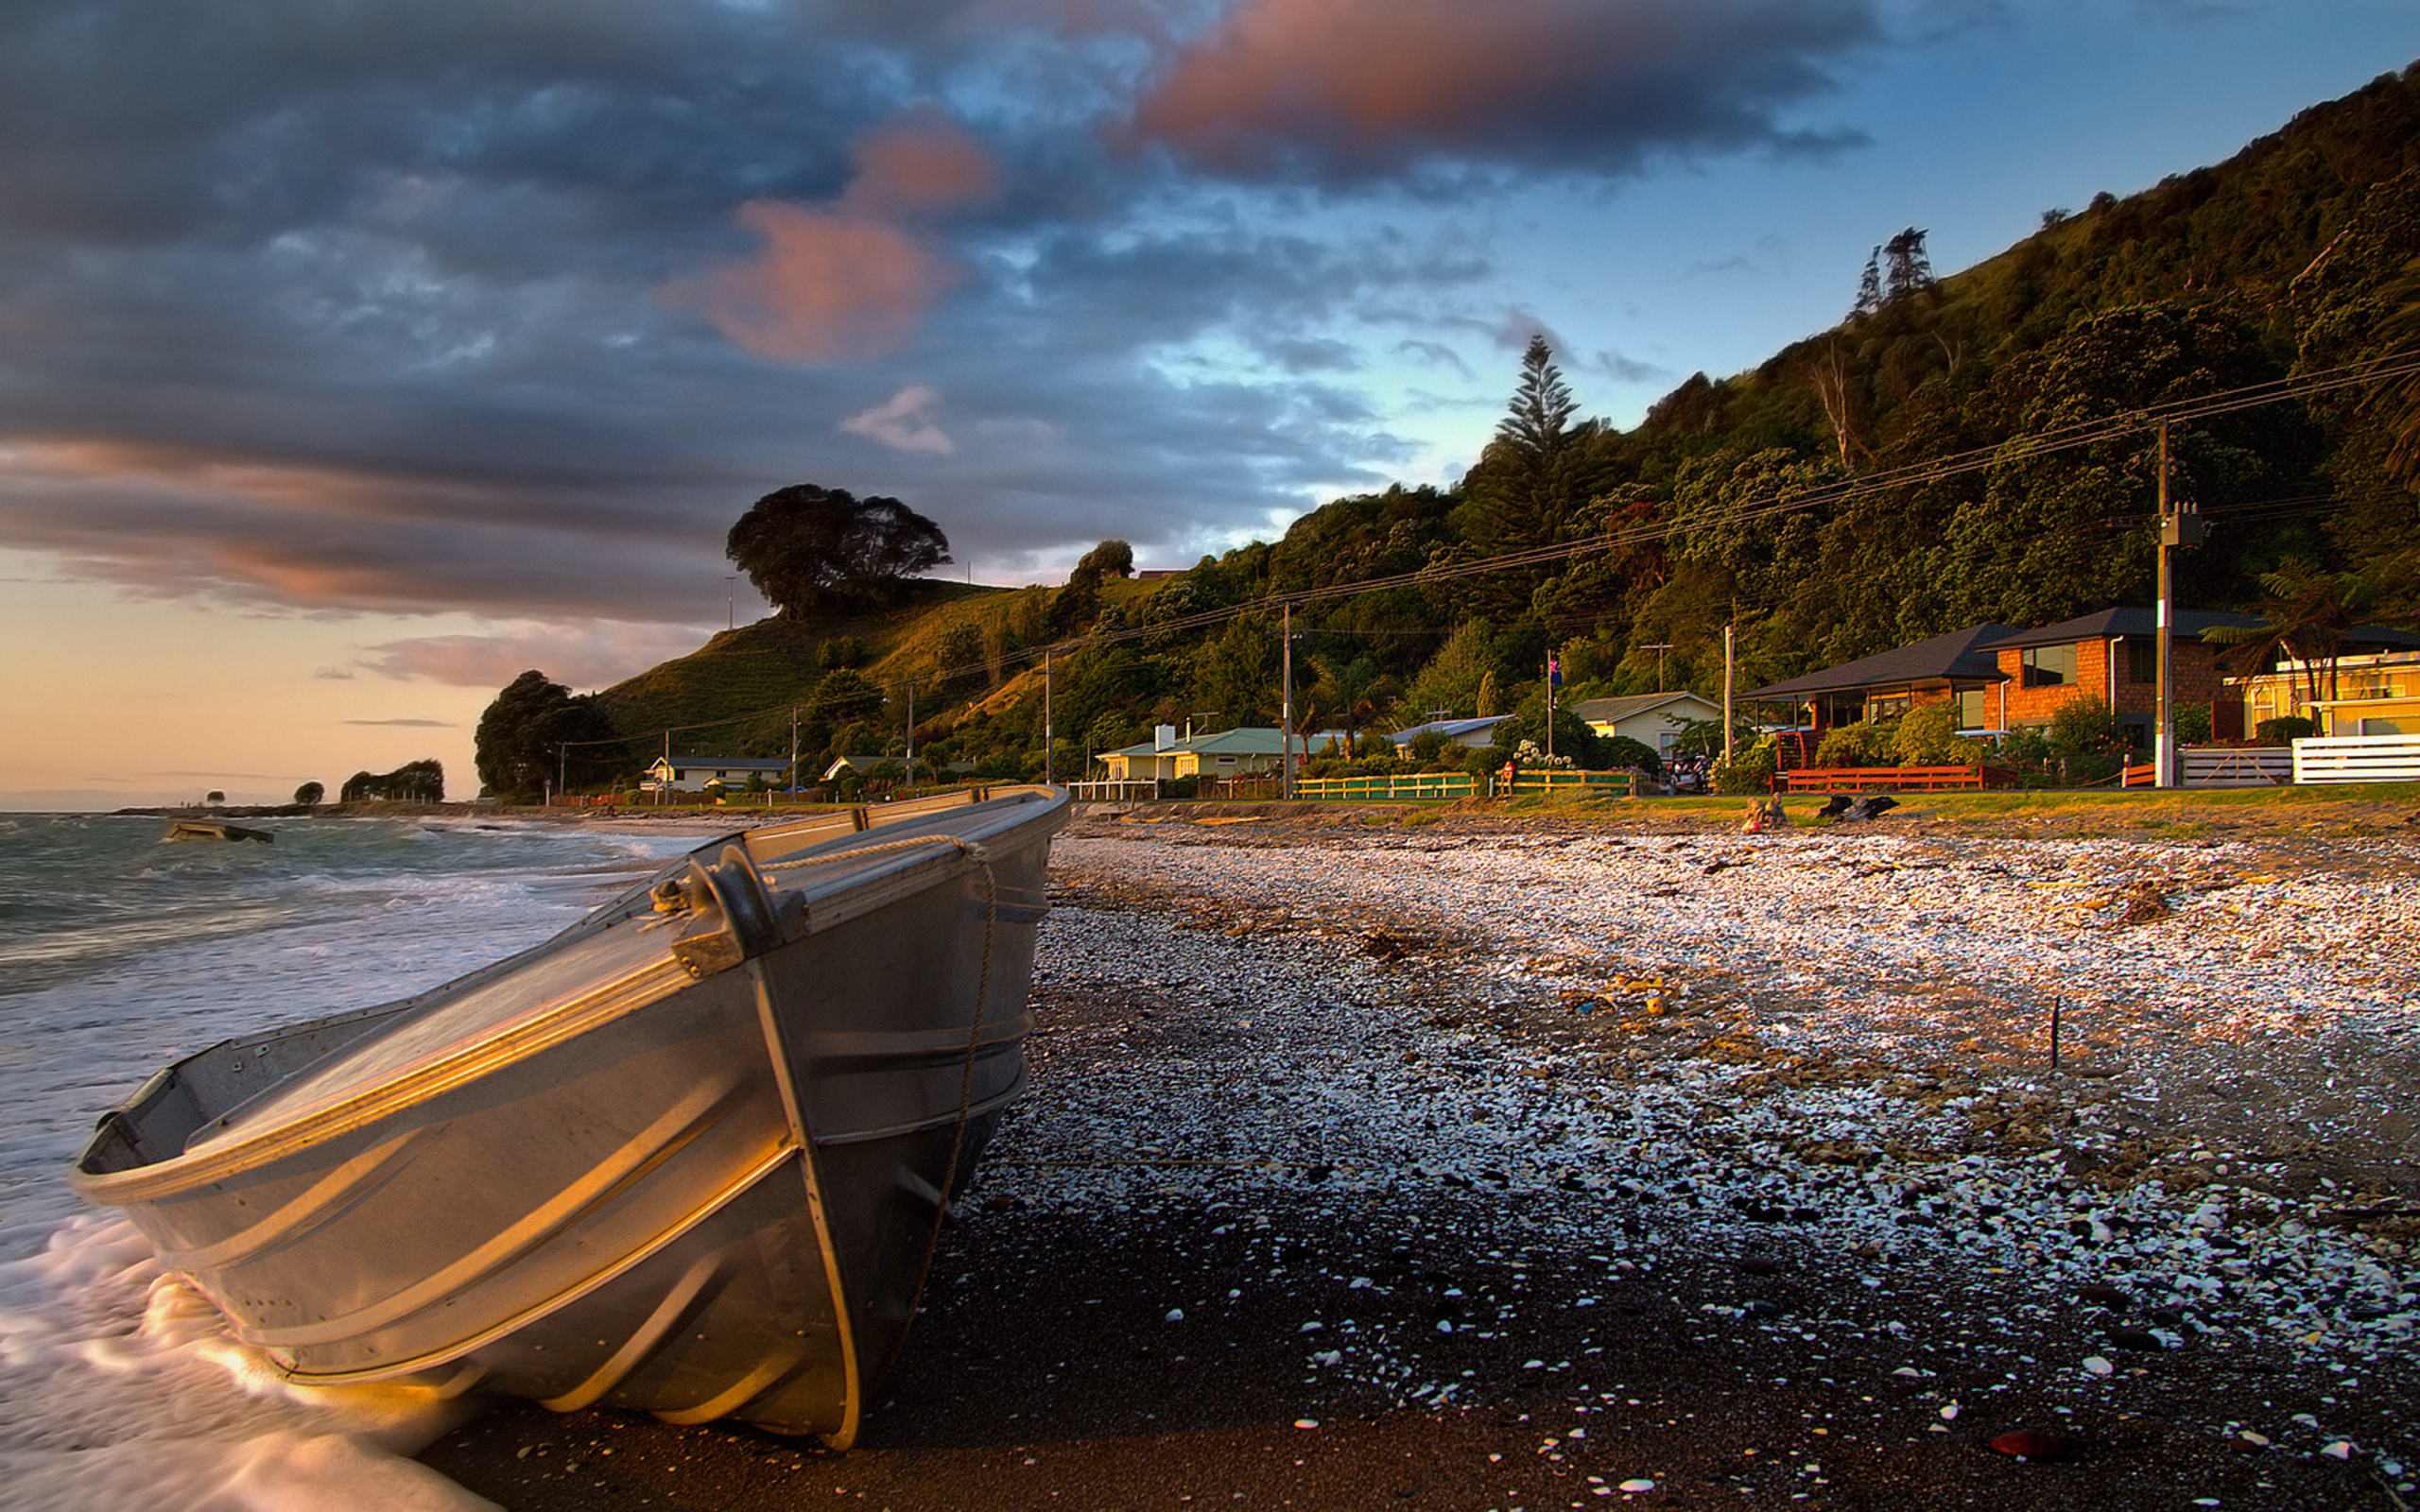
column 1425, row 1158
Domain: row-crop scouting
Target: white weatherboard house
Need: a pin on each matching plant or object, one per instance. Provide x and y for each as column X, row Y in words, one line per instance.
column 1242, row 753
column 690, row 774
column 1477, row 734
column 1653, row 719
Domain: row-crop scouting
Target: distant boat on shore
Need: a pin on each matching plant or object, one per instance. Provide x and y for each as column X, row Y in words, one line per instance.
column 690, row 1155
column 213, row 830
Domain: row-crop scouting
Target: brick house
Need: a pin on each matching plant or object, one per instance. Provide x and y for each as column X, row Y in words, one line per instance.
column 2005, row 678
column 2115, row 654
column 1957, row 666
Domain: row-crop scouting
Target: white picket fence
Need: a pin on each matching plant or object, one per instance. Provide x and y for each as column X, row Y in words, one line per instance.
column 2357, row 759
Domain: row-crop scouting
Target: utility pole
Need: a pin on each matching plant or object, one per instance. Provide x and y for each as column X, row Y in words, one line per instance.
column 1659, row 648
column 1286, row 710
column 1049, row 739
column 562, row 770
column 911, row 736
column 1554, row 680
column 2179, row 526
column 1726, row 693
column 793, row 747
column 729, row 612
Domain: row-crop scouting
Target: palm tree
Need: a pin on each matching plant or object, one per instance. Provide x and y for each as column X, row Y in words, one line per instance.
column 2310, row 611
column 1353, row 691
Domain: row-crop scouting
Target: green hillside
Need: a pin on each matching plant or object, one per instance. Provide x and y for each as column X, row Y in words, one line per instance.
column 1875, row 484
column 733, row 696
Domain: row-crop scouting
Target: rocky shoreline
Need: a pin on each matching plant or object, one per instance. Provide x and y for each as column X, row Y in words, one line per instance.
column 1461, row 1165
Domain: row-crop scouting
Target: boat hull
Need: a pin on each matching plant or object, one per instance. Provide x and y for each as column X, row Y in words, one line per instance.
column 700, row 1176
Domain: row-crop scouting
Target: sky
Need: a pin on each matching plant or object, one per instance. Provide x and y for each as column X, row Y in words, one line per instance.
column 355, row 357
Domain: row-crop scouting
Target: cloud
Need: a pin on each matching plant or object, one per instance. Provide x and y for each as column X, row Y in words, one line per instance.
column 334, row 674
column 589, row 655
column 1350, row 91
column 849, row 281
column 903, row 422
column 1628, row 370
column 1770, row 259
column 511, row 310
column 923, row 164
column 1436, row 354
column 825, row 287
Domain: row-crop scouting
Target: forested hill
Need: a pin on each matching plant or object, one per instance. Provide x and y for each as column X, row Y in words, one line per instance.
column 1878, row 483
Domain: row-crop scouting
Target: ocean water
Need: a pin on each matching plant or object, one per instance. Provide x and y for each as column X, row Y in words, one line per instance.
column 119, row 1387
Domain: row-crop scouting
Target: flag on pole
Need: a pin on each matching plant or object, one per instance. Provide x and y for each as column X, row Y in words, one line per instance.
column 1554, row 672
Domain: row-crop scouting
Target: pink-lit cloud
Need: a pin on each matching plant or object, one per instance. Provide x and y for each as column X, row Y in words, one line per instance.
column 1351, row 88
column 923, row 164
column 850, row 281
column 825, row 287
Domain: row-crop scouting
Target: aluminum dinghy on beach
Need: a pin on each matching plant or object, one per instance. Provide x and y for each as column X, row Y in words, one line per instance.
column 690, row 1155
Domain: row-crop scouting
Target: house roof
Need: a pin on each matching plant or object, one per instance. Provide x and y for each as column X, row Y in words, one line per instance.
column 857, row 763
column 2130, row 622
column 727, row 763
column 1614, row 711
column 1450, row 728
column 1962, row 656
column 1241, row 741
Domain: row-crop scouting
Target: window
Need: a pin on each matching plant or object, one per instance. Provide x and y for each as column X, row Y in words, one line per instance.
column 2049, row 667
column 2142, row 660
column 1974, row 709
column 1880, row 709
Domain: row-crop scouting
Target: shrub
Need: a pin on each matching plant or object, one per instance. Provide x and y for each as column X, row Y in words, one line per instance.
column 2284, row 730
column 2084, row 738
column 840, row 651
column 2192, row 723
column 1857, row 744
column 1750, row 771
column 1619, row 753
column 2024, row 746
column 1928, row 737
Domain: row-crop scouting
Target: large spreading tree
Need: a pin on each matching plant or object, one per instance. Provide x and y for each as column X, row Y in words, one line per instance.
column 537, row 732
column 812, row 550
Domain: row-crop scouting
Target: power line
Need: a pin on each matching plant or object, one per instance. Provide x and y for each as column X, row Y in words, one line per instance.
column 2065, row 438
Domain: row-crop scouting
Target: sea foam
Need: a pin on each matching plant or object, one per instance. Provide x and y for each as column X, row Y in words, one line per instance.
column 120, row 1386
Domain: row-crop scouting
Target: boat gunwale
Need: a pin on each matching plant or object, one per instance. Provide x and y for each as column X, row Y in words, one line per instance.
column 462, row 1064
